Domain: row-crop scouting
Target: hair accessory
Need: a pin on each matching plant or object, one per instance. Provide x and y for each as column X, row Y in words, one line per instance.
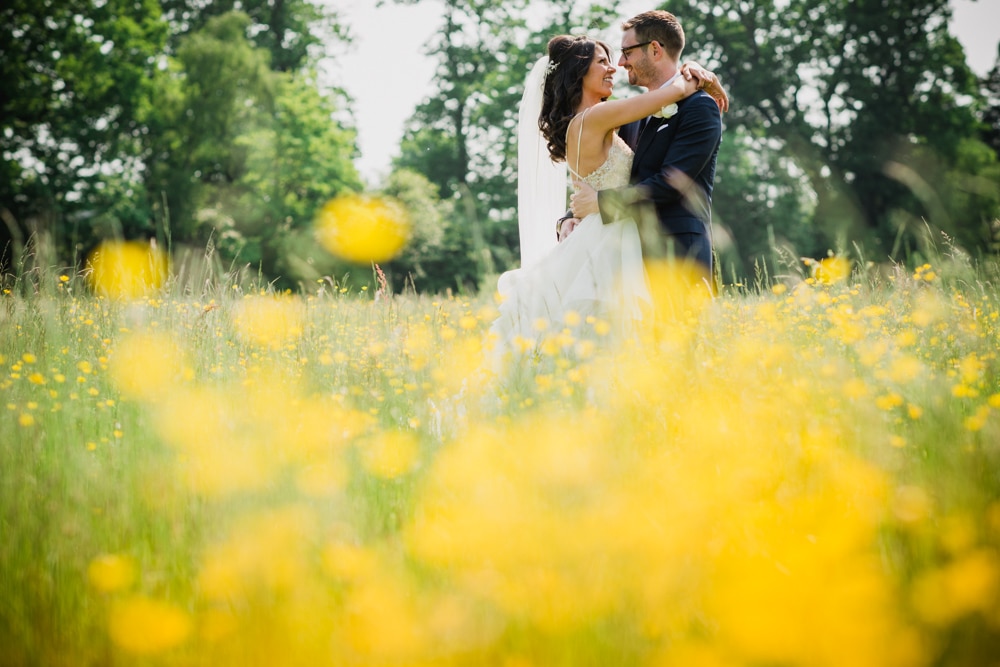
column 553, row 66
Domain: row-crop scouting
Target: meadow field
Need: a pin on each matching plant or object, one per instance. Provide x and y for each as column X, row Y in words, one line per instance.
column 804, row 471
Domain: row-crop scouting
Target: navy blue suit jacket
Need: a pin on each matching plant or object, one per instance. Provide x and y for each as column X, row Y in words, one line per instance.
column 687, row 141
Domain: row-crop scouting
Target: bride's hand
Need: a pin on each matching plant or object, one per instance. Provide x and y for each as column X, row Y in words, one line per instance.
column 565, row 228
column 708, row 82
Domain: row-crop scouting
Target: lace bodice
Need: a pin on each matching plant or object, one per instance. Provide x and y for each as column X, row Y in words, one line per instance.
column 615, row 171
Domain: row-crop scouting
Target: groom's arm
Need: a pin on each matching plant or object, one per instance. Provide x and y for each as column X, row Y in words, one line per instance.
column 689, row 152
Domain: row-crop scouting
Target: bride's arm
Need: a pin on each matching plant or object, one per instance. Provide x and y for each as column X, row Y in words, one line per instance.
column 615, row 113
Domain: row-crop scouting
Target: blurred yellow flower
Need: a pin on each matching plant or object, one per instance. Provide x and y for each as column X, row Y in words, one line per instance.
column 363, row 229
column 146, row 365
column 390, row 454
column 266, row 552
column 911, row 504
column 831, row 270
column 146, row 626
column 224, row 450
column 385, row 623
column 906, row 368
column 126, row 270
column 348, row 561
column 271, row 321
column 968, row 584
column 681, row 292
column 216, row 624
column 888, row 401
column 111, row 572
column 322, row 480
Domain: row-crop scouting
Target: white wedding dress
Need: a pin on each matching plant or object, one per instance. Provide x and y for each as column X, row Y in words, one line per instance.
column 597, row 271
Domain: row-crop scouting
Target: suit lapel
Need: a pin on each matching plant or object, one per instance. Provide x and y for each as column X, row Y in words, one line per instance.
column 646, row 137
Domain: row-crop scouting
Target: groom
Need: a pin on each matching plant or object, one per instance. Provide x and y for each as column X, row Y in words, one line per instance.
column 674, row 165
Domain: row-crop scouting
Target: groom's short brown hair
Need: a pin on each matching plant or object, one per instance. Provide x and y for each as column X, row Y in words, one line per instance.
column 660, row 26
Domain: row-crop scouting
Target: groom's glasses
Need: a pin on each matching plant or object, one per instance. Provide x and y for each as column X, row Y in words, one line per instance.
column 626, row 49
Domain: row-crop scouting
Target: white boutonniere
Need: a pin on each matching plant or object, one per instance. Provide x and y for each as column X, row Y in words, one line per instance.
column 667, row 111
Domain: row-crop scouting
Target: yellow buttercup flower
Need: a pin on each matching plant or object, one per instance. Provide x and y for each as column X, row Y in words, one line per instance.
column 363, row 229
column 145, row 626
column 111, row 572
column 126, row 270
column 832, row 270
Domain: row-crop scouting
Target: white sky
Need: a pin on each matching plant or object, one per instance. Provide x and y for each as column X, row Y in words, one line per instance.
column 386, row 72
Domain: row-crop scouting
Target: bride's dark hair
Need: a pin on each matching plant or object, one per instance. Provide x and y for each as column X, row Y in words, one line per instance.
column 569, row 60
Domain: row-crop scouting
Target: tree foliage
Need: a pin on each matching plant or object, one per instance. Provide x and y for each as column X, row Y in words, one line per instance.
column 286, row 29
column 74, row 80
column 763, row 207
column 246, row 153
column 990, row 132
column 851, row 91
column 200, row 126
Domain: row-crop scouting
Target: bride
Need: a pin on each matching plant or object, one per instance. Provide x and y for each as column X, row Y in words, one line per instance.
column 597, row 270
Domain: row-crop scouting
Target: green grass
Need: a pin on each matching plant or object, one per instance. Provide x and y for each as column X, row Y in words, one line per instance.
column 805, row 474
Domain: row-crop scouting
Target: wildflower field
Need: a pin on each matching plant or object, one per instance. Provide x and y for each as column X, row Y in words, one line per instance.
column 799, row 473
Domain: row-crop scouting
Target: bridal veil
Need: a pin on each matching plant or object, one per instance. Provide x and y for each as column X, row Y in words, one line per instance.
column 541, row 184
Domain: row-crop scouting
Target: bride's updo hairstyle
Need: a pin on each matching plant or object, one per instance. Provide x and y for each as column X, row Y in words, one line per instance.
column 569, row 60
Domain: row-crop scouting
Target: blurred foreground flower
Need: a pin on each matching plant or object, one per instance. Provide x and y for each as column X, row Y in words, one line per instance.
column 126, row 269
column 363, row 229
column 145, row 626
column 269, row 321
column 390, row 454
column 681, row 292
column 145, row 365
column 111, row 572
column 830, row 270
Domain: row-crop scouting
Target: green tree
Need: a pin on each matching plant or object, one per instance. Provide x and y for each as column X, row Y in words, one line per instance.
column 426, row 262
column 991, row 114
column 847, row 88
column 75, row 79
column 298, row 159
column 218, row 89
column 287, row 29
column 762, row 208
column 246, row 155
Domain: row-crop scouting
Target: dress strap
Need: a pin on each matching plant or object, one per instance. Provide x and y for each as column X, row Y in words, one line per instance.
column 579, row 140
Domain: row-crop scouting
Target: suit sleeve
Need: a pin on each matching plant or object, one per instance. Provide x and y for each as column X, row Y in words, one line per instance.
column 690, row 151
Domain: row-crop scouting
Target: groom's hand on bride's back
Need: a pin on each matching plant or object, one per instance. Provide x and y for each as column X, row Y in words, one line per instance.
column 583, row 201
